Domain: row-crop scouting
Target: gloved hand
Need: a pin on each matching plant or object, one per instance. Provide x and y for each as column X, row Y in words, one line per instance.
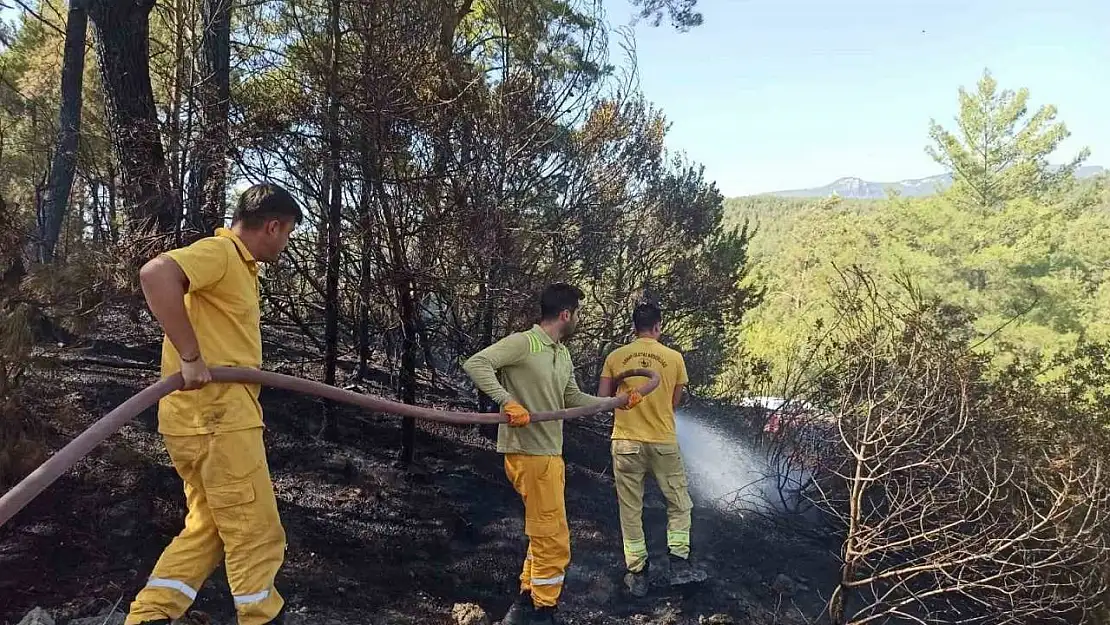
column 631, row 399
column 518, row 415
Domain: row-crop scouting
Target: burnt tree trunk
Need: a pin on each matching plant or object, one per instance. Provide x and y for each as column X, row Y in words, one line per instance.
column 409, row 349
column 403, row 285
column 334, row 222
column 210, row 178
column 366, row 196
column 365, row 283
column 55, row 202
column 122, row 45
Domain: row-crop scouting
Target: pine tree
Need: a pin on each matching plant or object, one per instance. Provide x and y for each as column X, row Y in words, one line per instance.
column 1000, row 152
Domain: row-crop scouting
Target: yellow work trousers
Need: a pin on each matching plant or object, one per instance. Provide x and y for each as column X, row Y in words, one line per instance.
column 632, row 460
column 540, row 480
column 232, row 517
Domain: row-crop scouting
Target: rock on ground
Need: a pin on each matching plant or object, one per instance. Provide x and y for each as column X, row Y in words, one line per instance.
column 601, row 590
column 469, row 614
column 38, row 616
column 112, row 618
column 784, row 585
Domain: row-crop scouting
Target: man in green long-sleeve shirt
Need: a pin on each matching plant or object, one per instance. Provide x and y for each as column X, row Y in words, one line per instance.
column 537, row 375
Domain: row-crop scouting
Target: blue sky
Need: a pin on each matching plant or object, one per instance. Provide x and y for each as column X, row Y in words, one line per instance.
column 781, row 94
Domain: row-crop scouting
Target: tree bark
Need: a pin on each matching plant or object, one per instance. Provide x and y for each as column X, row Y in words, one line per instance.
column 409, row 347
column 52, row 211
column 364, row 297
column 366, row 260
column 176, row 132
column 122, row 31
column 334, row 221
column 210, row 178
column 403, row 285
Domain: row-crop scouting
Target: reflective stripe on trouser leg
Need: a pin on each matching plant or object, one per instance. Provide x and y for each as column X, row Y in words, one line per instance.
column 678, row 543
column 243, row 600
column 629, row 469
column 540, row 481
column 670, row 473
column 551, row 555
column 245, row 509
column 193, row 554
column 635, row 555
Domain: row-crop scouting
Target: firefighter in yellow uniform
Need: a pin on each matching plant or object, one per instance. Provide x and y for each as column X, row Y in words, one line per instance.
column 206, row 298
column 536, row 375
column 644, row 441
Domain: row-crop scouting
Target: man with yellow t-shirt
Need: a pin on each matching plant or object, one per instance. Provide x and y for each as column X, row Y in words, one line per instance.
column 205, row 296
column 644, row 440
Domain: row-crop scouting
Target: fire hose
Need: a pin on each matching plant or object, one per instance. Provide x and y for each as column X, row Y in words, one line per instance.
column 41, row 478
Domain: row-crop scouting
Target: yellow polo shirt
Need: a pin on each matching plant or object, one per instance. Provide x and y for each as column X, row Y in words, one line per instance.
column 223, row 306
column 652, row 420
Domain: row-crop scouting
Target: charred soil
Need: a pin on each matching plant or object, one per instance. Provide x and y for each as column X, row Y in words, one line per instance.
column 369, row 541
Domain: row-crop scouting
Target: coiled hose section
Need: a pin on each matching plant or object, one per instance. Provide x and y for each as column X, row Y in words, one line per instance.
column 41, row 478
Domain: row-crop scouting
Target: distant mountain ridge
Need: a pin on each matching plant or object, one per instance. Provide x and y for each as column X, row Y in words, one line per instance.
column 859, row 189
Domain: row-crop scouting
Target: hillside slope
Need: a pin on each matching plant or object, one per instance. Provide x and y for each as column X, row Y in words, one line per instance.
column 368, row 543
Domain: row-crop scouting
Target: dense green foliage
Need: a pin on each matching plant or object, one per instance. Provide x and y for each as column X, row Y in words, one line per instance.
column 452, row 158
column 1016, row 242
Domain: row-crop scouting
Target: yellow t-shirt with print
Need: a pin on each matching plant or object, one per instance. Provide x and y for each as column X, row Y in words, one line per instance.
column 652, row 420
column 223, row 305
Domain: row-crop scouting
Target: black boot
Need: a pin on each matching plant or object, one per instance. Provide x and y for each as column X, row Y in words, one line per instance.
column 520, row 613
column 682, row 572
column 637, row 583
column 545, row 616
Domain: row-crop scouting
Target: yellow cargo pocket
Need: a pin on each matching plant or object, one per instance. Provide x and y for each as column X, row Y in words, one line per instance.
column 680, row 491
column 623, row 447
column 545, row 514
column 543, row 525
column 626, row 456
column 667, row 449
column 228, row 503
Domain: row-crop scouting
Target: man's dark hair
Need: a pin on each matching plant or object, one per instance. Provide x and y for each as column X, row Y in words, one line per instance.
column 645, row 316
column 263, row 202
column 557, row 298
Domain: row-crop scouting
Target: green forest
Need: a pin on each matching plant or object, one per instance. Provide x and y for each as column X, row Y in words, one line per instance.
column 1017, row 243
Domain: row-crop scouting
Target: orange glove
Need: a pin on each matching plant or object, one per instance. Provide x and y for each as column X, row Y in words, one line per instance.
column 518, row 415
column 634, row 397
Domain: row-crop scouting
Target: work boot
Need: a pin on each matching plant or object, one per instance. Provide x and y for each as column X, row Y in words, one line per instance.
column 280, row 618
column 545, row 616
column 637, row 583
column 521, row 611
column 682, row 572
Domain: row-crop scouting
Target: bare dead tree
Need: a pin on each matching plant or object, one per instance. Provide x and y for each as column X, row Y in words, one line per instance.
column 955, row 504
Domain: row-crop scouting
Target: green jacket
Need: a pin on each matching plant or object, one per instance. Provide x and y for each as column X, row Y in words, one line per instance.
column 537, row 372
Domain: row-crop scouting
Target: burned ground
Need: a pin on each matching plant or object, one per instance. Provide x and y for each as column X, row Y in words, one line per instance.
column 368, row 542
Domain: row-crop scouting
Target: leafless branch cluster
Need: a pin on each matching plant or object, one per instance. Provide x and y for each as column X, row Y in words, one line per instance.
column 955, row 506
